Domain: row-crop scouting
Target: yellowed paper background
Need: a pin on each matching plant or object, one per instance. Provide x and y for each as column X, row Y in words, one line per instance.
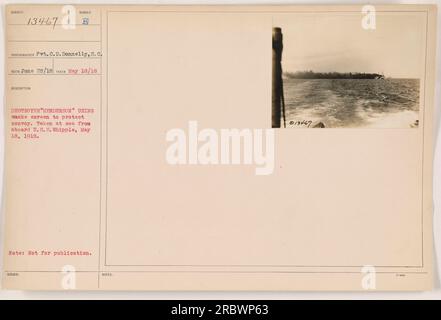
column 338, row 199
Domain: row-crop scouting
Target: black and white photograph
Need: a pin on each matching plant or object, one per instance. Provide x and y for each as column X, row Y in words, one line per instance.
column 346, row 71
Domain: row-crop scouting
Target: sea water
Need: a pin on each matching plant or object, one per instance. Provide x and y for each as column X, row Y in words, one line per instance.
column 352, row 103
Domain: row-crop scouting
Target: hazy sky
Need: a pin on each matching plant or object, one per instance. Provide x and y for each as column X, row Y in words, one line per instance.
column 324, row 42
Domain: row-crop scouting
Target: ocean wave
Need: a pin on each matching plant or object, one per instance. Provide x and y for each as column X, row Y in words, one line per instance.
column 352, row 102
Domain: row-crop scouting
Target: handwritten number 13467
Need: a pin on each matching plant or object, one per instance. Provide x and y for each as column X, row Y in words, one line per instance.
column 48, row 21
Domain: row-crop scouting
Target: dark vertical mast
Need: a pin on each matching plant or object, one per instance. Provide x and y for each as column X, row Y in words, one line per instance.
column 277, row 77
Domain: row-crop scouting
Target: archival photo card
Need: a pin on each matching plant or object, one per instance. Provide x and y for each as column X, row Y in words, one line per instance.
column 145, row 150
column 343, row 71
